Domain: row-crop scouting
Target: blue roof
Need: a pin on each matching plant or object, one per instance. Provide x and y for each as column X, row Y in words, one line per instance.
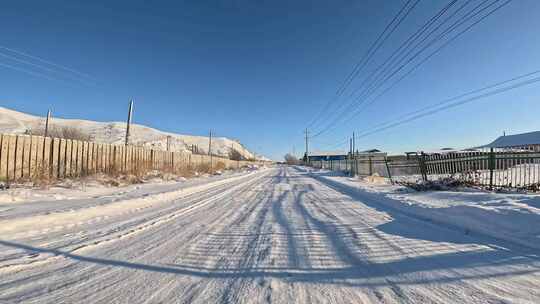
column 523, row 139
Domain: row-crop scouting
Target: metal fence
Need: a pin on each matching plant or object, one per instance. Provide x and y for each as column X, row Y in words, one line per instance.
column 494, row 168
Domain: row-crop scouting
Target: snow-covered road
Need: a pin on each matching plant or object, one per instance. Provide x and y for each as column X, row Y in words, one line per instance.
column 276, row 235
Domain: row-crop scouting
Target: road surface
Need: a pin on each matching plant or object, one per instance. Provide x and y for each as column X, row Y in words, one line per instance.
column 272, row 236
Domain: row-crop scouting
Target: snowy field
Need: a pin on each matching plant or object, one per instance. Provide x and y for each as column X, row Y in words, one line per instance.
column 276, row 235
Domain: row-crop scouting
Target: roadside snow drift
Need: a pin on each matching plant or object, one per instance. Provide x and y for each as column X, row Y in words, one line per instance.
column 511, row 217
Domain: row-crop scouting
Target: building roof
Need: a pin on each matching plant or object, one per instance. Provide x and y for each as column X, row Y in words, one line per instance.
column 327, row 153
column 371, row 151
column 523, row 139
column 443, row 151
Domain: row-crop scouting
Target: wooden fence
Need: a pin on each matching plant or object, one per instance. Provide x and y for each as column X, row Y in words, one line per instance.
column 26, row 157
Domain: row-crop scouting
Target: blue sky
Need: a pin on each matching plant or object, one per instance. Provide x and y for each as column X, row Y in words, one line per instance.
column 260, row 71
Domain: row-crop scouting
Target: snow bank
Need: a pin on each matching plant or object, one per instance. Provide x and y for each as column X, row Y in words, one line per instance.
column 509, row 217
column 132, row 199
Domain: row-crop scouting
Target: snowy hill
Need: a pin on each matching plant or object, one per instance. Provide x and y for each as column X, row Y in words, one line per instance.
column 114, row 132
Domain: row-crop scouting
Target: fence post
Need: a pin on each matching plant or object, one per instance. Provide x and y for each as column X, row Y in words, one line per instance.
column 51, row 158
column 352, row 165
column 388, row 170
column 1, row 148
column 423, row 170
column 370, row 165
column 491, row 164
column 15, row 157
column 355, row 165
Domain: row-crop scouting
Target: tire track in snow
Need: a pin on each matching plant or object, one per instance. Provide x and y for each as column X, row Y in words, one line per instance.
column 206, row 197
column 243, row 186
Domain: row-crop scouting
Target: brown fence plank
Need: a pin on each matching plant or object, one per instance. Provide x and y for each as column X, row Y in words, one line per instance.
column 4, row 139
column 62, row 158
column 35, row 156
column 23, row 156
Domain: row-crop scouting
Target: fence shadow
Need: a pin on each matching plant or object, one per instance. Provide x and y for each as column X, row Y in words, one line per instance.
column 421, row 214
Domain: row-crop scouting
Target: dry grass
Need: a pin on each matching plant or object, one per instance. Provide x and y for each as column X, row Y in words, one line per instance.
column 62, row 132
column 203, row 168
column 40, row 175
column 219, row 166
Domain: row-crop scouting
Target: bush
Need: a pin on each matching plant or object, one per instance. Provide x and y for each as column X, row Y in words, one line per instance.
column 62, row 132
column 235, row 155
column 447, row 183
column 219, row 166
column 291, row 159
column 203, row 168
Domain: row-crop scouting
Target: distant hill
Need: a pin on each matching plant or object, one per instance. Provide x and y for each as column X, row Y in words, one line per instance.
column 15, row 122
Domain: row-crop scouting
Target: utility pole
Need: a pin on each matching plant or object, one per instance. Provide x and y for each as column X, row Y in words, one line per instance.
column 307, row 147
column 355, row 170
column 210, row 144
column 130, row 111
column 353, row 143
column 210, row 150
column 47, row 123
column 350, row 156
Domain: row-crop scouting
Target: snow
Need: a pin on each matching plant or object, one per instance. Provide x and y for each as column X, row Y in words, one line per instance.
column 507, row 216
column 13, row 122
column 268, row 235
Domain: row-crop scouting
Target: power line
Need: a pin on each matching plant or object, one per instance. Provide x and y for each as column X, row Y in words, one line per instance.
column 49, row 62
column 443, row 102
column 357, row 111
column 362, row 63
column 375, row 46
column 406, row 44
column 449, row 29
column 30, row 72
column 445, row 105
column 29, row 63
column 403, row 54
column 456, row 24
column 403, row 47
